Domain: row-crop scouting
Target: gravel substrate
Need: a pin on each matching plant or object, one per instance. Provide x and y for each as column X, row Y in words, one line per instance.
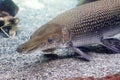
column 33, row 14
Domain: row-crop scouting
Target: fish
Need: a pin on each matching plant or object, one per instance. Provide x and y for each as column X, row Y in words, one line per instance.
column 8, row 24
column 93, row 23
column 81, row 2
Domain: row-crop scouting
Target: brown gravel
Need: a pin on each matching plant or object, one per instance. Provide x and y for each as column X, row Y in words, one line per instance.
column 108, row 77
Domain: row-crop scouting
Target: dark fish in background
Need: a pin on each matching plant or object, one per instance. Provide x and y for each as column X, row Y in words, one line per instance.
column 81, row 2
column 9, row 6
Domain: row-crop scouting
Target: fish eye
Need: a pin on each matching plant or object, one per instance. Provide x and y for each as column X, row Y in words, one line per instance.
column 50, row 40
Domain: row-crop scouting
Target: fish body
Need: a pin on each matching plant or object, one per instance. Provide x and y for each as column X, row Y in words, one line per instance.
column 91, row 23
column 88, row 23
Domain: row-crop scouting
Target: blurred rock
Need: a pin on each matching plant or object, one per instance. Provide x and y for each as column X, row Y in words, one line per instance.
column 108, row 77
column 9, row 6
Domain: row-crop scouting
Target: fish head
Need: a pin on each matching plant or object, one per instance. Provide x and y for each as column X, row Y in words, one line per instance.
column 47, row 38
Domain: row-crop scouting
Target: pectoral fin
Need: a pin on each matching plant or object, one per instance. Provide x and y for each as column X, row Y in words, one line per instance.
column 112, row 43
column 82, row 54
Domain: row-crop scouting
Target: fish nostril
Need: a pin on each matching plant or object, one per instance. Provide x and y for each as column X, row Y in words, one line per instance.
column 19, row 50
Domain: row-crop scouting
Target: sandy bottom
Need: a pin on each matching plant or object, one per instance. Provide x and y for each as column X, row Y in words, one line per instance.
column 14, row 66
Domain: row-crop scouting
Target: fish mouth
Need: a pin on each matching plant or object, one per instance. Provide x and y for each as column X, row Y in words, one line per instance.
column 37, row 49
column 33, row 50
column 49, row 50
